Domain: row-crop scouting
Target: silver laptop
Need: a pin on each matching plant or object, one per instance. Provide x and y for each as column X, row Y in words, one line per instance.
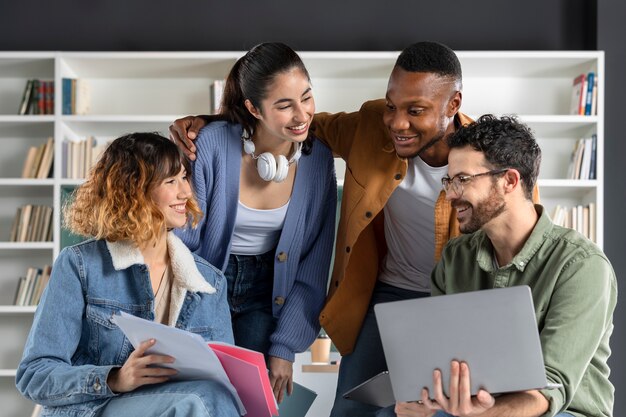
column 494, row 331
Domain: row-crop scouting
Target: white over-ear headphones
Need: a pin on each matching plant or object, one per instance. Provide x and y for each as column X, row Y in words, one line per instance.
column 270, row 168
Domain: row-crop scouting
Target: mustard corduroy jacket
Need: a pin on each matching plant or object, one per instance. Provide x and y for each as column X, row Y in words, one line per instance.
column 373, row 171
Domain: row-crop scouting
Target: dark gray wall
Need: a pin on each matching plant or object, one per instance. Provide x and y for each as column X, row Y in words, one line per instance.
column 161, row 25
column 194, row 25
column 611, row 35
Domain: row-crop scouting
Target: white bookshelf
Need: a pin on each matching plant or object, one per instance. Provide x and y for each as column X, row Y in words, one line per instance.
column 146, row 91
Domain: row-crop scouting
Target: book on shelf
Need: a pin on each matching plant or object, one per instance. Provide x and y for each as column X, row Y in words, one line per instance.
column 32, row 223
column 76, row 96
column 34, row 98
column 586, row 159
column 41, row 97
column 66, row 96
column 25, row 103
column 45, row 166
column 18, row 291
column 573, row 171
column 32, row 276
column 29, row 161
column 38, row 97
column 589, row 93
column 584, row 94
column 23, row 284
column 41, row 285
column 578, row 93
column 38, row 161
column 594, row 97
column 22, row 231
column 81, row 155
column 592, row 222
column 35, row 216
column 38, row 156
column 31, row 286
column 49, row 98
column 15, row 226
column 594, row 157
column 583, row 164
column 217, row 91
column 581, row 218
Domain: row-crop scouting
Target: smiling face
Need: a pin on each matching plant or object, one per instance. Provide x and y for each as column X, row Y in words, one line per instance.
column 288, row 108
column 420, row 111
column 171, row 197
column 481, row 200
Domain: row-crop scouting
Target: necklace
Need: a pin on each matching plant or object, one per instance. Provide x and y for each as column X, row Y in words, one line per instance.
column 161, row 280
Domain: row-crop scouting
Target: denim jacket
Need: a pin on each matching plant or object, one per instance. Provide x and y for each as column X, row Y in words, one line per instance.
column 73, row 344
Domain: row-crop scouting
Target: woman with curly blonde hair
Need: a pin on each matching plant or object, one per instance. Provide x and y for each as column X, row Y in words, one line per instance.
column 76, row 360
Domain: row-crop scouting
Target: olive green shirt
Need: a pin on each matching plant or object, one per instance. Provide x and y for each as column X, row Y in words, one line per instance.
column 574, row 291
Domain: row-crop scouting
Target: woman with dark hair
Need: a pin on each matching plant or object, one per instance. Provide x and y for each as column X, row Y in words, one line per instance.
column 268, row 191
column 76, row 360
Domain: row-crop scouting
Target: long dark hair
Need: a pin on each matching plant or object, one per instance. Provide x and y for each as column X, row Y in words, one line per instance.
column 250, row 78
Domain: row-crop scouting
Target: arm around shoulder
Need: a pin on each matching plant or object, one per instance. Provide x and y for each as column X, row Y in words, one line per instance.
column 336, row 130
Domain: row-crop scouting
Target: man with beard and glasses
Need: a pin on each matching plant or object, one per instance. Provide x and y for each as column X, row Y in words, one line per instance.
column 492, row 168
column 394, row 219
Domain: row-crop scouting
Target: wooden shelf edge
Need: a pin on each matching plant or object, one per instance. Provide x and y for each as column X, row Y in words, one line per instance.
column 329, row 368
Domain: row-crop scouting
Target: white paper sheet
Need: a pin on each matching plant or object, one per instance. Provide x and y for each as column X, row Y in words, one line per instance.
column 194, row 359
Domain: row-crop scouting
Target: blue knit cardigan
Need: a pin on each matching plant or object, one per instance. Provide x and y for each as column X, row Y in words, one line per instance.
column 306, row 241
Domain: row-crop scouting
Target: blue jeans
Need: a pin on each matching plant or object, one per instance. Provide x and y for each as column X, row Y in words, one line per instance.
column 250, row 282
column 184, row 398
column 388, row 412
column 367, row 359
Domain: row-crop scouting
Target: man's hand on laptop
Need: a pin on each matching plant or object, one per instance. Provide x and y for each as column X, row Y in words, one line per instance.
column 413, row 409
column 460, row 402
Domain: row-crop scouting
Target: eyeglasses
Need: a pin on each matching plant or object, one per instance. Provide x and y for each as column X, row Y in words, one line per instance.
column 458, row 181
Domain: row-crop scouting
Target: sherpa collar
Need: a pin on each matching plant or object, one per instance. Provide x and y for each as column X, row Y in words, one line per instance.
column 186, row 273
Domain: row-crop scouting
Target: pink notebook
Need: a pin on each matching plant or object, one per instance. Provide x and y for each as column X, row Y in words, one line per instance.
column 247, row 371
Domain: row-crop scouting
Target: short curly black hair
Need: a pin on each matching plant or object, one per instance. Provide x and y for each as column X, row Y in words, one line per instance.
column 431, row 57
column 506, row 143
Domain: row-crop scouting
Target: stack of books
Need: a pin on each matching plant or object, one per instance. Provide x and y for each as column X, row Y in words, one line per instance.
column 582, row 164
column 580, row 218
column 76, row 96
column 32, row 223
column 80, row 156
column 38, row 161
column 38, row 98
column 585, row 95
column 31, row 286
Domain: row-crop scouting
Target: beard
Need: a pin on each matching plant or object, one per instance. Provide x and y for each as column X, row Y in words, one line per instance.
column 482, row 212
column 428, row 145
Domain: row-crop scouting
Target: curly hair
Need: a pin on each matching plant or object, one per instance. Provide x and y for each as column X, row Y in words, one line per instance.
column 115, row 201
column 506, row 143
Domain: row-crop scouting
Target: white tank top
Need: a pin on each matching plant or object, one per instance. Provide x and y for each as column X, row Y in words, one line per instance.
column 257, row 231
column 410, row 227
